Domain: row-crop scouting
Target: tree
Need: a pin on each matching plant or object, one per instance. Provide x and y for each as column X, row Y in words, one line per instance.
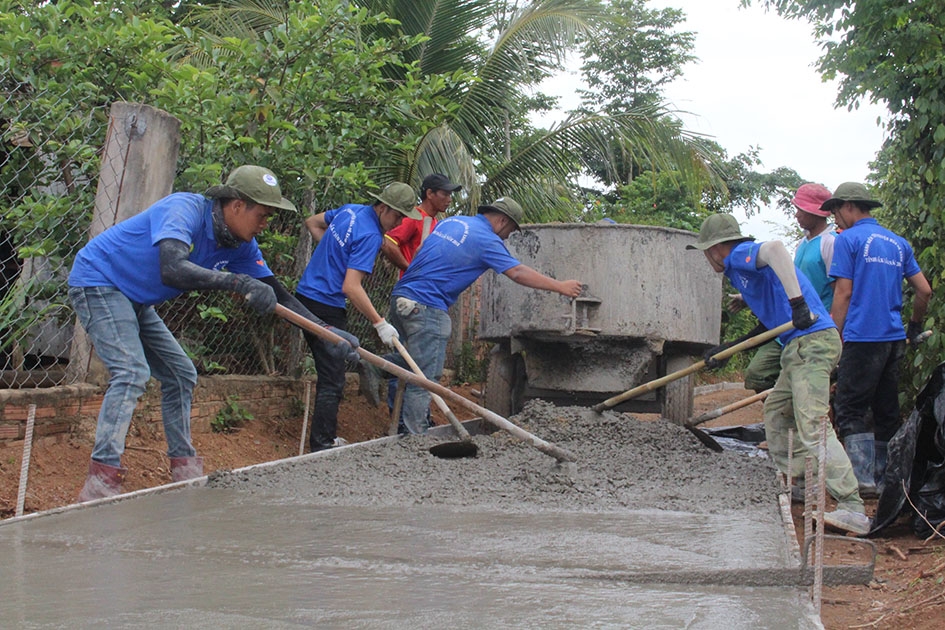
column 307, row 98
column 487, row 142
column 494, row 53
column 666, row 198
column 892, row 53
column 633, row 55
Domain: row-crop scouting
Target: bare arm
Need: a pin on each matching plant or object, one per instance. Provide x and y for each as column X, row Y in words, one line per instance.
column 355, row 292
column 316, row 226
column 923, row 292
column 842, row 291
column 392, row 251
column 528, row 277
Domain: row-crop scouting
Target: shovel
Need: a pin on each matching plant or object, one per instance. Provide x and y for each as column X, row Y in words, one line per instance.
column 751, row 342
column 705, row 438
column 552, row 450
column 448, row 450
column 735, row 406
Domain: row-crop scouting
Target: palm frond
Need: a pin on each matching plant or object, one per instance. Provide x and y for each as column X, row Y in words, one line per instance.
column 536, row 40
column 561, row 152
column 240, row 19
column 449, row 25
column 440, row 150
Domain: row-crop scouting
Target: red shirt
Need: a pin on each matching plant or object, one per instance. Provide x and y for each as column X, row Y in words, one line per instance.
column 408, row 235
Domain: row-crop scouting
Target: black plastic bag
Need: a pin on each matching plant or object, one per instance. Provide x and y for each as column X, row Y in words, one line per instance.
column 914, row 467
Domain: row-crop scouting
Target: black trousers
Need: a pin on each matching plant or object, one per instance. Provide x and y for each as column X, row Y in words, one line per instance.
column 331, row 376
column 868, row 379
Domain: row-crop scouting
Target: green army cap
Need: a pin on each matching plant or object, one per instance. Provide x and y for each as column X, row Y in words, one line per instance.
column 850, row 191
column 401, row 198
column 252, row 182
column 719, row 228
column 507, row 206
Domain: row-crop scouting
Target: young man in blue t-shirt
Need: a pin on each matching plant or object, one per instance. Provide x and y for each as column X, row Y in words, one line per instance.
column 181, row 243
column 869, row 264
column 771, row 287
column 457, row 252
column 349, row 239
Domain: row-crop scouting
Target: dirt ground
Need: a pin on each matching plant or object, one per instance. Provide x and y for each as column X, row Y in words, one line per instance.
column 908, row 590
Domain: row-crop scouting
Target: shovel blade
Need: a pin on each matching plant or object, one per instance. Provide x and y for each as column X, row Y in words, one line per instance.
column 705, row 438
column 454, row 450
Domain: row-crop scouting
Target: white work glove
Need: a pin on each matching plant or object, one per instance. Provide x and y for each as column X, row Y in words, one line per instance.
column 386, row 332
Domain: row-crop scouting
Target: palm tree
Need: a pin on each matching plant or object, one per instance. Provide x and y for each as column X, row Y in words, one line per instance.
column 476, row 144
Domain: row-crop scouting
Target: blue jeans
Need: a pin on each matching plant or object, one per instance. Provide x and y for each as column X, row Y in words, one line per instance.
column 134, row 344
column 425, row 332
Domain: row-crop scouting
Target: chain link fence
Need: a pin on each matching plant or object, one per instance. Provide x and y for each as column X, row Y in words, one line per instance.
column 50, row 160
column 48, row 167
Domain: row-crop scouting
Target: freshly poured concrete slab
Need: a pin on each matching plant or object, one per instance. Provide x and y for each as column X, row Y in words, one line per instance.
column 213, row 558
column 648, row 530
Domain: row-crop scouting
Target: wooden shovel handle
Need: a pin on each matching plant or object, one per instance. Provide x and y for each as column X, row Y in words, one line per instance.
column 560, row 454
column 757, row 340
column 440, row 403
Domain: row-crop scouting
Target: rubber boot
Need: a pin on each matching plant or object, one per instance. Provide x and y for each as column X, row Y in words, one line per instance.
column 184, row 468
column 860, row 449
column 880, row 455
column 103, row 481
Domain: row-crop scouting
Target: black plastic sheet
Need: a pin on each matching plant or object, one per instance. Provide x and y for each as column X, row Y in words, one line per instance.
column 741, row 439
column 915, row 469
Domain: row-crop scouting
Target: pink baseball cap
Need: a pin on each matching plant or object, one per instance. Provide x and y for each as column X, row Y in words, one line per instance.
column 809, row 198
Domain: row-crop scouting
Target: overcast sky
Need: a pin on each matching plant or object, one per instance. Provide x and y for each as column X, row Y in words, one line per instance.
column 755, row 84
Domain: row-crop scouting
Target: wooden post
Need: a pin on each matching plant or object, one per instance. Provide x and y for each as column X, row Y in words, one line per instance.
column 457, row 315
column 138, row 167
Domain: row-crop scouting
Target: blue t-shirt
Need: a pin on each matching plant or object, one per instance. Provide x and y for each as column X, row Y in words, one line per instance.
column 813, row 258
column 764, row 294
column 352, row 240
column 126, row 256
column 457, row 252
column 877, row 261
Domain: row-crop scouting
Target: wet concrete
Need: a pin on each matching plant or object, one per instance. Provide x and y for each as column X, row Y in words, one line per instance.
column 650, row 530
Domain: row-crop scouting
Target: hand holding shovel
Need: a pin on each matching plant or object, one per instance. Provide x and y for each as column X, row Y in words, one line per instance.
column 560, row 454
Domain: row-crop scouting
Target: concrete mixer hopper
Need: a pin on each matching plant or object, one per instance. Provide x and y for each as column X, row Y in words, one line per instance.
column 650, row 305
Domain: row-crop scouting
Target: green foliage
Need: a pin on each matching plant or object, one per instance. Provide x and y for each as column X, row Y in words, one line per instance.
column 472, row 363
column 652, row 199
column 230, row 416
column 497, row 52
column 633, row 55
column 307, row 97
column 212, row 312
column 670, row 198
column 892, row 52
column 748, row 189
column 307, row 93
